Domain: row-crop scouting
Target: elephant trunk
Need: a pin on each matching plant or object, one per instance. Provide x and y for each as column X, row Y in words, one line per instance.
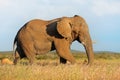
column 89, row 49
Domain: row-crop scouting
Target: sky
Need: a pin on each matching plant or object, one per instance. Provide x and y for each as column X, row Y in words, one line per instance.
column 102, row 17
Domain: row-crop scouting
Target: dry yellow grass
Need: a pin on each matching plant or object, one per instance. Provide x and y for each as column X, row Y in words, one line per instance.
column 52, row 70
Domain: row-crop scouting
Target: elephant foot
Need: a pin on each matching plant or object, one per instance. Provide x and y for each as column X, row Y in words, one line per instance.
column 62, row 60
column 16, row 60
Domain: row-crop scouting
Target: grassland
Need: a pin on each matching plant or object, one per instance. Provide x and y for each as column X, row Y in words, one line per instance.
column 105, row 67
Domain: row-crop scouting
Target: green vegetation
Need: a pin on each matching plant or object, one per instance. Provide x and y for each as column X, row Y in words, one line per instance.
column 47, row 67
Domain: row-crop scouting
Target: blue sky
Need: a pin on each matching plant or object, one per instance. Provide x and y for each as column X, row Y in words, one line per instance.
column 102, row 16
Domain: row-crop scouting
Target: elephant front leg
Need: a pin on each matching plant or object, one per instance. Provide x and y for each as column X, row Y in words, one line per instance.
column 63, row 50
column 65, row 56
column 63, row 60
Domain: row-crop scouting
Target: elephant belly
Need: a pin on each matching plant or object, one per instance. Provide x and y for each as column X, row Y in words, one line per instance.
column 43, row 47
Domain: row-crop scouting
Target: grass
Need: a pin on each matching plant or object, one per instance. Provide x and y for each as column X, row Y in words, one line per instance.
column 105, row 67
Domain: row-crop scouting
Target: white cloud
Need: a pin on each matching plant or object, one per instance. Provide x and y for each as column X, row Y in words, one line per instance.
column 3, row 2
column 98, row 7
column 105, row 7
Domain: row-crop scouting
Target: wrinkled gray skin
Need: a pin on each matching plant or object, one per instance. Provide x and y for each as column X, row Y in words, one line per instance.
column 39, row 37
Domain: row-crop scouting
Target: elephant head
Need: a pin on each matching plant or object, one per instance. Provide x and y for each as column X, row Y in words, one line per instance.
column 75, row 28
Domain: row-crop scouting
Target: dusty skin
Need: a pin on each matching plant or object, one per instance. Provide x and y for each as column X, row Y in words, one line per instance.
column 40, row 36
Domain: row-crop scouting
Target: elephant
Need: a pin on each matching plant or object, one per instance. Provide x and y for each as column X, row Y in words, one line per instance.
column 41, row 36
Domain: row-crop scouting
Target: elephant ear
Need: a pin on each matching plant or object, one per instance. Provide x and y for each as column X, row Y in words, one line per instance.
column 64, row 28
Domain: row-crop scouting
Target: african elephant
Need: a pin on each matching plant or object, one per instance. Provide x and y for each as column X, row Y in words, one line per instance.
column 40, row 36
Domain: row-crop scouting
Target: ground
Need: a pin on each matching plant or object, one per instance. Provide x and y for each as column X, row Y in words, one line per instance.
column 106, row 66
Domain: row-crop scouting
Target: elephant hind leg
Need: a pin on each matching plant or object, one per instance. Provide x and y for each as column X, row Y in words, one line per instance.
column 30, row 56
column 16, row 57
column 29, row 52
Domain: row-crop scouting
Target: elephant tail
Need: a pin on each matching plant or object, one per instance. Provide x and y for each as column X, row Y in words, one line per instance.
column 15, row 44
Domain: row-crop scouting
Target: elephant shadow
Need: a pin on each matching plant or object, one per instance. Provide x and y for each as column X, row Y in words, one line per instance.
column 52, row 30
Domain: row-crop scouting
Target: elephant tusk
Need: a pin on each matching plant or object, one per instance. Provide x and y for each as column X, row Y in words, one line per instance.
column 83, row 43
